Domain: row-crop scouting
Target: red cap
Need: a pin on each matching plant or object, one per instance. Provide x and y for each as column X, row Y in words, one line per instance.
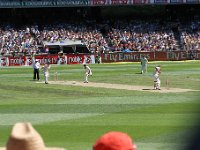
column 114, row 141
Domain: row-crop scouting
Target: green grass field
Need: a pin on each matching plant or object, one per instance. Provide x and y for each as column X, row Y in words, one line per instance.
column 74, row 117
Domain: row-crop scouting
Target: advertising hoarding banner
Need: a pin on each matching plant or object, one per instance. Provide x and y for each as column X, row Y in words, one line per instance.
column 38, row 3
column 118, row 2
column 4, row 61
column 126, row 57
column 106, row 58
column 160, row 1
column 16, row 61
column 53, row 59
column 98, row 2
column 140, row 1
column 192, row 1
column 58, row 3
column 10, row 4
column 72, row 2
column 80, row 59
column 176, row 1
column 152, row 56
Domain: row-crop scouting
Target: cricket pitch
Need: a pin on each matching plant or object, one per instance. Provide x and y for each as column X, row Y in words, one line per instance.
column 121, row 86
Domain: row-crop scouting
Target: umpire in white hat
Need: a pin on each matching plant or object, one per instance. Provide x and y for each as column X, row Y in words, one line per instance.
column 36, row 70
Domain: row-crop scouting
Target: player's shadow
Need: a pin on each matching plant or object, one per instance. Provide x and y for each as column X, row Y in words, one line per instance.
column 34, row 80
column 147, row 89
column 138, row 73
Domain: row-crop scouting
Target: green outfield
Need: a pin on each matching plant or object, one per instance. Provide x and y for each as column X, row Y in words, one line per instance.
column 75, row 116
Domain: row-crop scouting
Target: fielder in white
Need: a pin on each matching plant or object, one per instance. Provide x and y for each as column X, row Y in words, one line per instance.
column 144, row 63
column 157, row 81
column 46, row 68
column 87, row 72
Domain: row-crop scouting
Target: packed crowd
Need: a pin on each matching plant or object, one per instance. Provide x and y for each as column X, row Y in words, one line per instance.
column 14, row 40
column 190, row 36
column 141, row 36
column 119, row 36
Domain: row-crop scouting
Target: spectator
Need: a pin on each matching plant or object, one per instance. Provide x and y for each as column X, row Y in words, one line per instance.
column 25, row 137
column 114, row 141
column 122, row 35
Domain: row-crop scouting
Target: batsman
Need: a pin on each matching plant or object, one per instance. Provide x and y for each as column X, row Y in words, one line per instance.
column 156, row 75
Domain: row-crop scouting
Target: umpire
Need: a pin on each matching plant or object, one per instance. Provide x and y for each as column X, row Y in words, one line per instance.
column 36, row 71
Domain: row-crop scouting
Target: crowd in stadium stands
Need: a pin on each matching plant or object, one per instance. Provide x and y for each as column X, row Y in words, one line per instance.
column 13, row 40
column 89, row 35
column 190, row 37
column 141, row 36
column 118, row 36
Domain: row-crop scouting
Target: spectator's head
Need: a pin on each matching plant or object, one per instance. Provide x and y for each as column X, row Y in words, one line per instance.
column 114, row 141
column 25, row 137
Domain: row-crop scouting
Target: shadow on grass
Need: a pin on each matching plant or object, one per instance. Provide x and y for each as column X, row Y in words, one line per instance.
column 147, row 89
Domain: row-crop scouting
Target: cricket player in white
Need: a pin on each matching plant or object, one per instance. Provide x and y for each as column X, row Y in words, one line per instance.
column 46, row 68
column 157, row 81
column 144, row 63
column 87, row 72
